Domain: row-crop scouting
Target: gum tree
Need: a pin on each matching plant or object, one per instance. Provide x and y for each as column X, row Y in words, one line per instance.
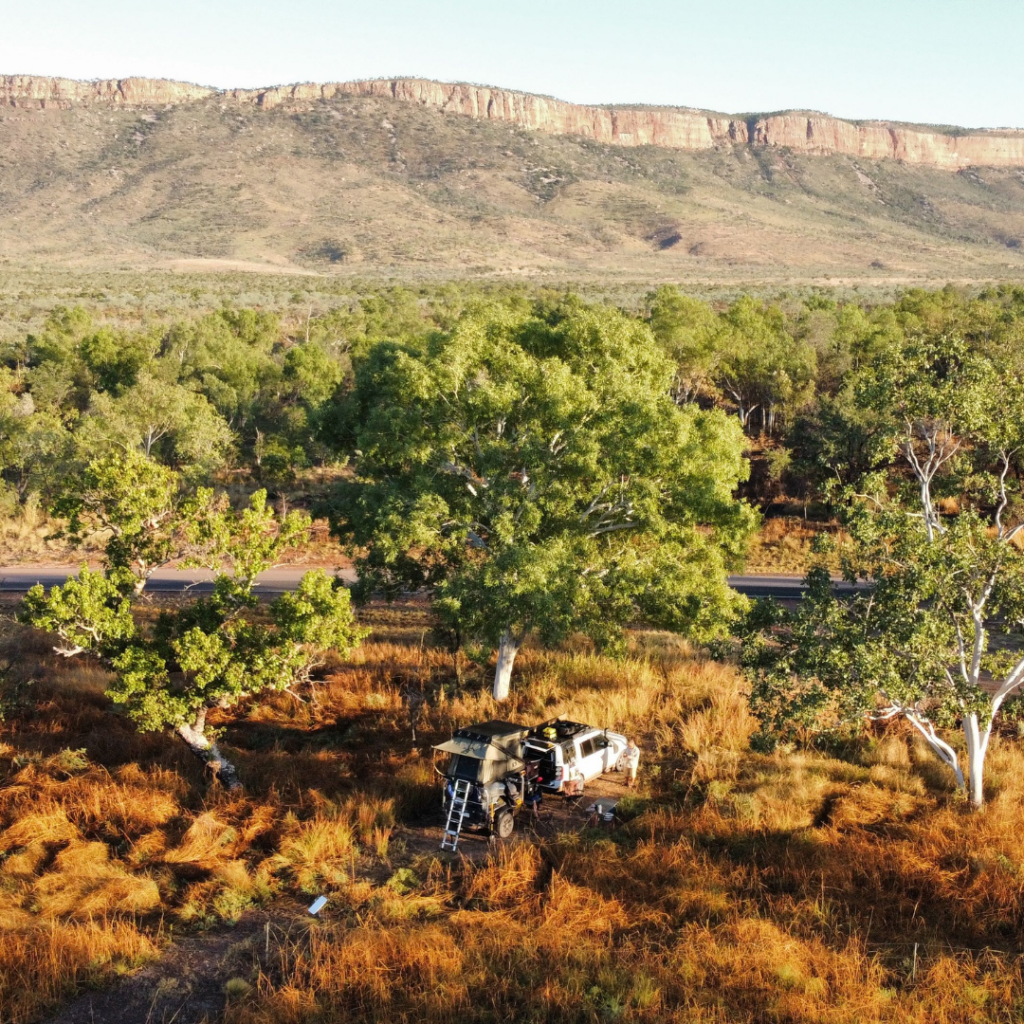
column 534, row 474
column 935, row 635
column 215, row 652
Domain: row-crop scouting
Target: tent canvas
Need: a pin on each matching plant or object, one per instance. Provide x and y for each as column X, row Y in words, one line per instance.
column 480, row 749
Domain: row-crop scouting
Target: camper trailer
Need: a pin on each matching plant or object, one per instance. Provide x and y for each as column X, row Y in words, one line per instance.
column 486, row 778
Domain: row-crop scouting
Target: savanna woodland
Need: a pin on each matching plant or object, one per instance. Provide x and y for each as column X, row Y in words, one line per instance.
column 535, row 499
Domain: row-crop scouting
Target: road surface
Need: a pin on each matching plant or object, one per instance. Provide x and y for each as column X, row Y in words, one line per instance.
column 16, row 579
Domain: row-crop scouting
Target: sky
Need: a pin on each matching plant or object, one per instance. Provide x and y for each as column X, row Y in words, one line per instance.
column 932, row 61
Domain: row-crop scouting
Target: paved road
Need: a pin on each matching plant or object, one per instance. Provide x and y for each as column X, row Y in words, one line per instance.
column 16, row 579
column 783, row 587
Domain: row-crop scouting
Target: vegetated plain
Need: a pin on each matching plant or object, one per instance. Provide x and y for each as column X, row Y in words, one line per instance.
column 836, row 878
column 372, row 186
column 843, row 883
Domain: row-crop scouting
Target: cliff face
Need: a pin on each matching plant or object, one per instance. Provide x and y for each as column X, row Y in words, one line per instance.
column 670, row 127
column 818, row 134
column 62, row 93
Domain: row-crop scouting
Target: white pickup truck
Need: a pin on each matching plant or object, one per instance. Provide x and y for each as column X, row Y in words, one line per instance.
column 571, row 750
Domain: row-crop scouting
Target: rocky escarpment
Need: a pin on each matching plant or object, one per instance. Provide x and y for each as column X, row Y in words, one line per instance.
column 821, row 135
column 62, row 93
column 669, row 127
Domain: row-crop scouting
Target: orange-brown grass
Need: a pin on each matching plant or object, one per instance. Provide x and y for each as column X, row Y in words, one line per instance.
column 741, row 887
column 785, row 544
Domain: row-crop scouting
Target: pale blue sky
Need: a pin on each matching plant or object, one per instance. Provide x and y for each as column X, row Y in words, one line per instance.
column 943, row 61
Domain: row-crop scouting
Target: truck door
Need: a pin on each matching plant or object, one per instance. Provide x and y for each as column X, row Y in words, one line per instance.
column 549, row 773
column 591, row 757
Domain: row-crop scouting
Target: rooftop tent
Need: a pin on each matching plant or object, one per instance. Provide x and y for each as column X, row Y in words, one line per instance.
column 499, row 743
column 480, row 749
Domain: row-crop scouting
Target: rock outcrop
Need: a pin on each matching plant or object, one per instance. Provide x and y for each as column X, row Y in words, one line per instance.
column 62, row 93
column 821, row 135
column 670, row 127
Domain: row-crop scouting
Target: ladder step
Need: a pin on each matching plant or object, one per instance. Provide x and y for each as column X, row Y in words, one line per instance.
column 456, row 815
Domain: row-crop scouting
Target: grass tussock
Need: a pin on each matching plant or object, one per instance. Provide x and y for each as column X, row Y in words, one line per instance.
column 785, row 887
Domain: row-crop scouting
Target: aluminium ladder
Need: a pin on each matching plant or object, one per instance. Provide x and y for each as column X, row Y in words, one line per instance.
column 456, row 815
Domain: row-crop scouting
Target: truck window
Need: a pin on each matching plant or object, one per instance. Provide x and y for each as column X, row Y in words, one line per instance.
column 463, row 767
column 587, row 747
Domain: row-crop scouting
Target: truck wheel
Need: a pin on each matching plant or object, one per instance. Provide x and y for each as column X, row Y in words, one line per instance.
column 504, row 823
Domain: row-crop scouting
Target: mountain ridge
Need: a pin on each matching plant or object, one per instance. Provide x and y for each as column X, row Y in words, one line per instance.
column 395, row 180
column 682, row 128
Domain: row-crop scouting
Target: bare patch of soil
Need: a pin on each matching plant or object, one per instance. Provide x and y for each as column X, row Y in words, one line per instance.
column 188, row 984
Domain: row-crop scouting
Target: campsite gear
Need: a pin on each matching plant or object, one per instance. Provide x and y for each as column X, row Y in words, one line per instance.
column 495, row 767
column 602, row 812
column 487, row 777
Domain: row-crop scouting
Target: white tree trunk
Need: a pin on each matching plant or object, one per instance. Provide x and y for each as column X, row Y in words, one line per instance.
column 507, row 651
column 975, row 761
column 208, row 752
column 945, row 753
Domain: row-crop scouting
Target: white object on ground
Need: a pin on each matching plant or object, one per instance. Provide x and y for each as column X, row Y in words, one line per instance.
column 317, row 905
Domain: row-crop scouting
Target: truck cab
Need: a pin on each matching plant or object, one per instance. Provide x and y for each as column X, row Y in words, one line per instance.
column 566, row 750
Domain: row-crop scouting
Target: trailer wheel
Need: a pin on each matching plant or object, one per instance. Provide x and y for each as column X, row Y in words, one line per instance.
column 504, row 823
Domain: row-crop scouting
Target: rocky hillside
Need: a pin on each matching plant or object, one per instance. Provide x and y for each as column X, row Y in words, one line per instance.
column 670, row 127
column 417, row 177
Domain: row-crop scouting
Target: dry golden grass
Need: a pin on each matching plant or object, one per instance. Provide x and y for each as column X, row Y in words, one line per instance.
column 784, row 545
column 742, row 887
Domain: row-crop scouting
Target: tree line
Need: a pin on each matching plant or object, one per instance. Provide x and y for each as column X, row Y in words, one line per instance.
column 546, row 467
column 236, row 390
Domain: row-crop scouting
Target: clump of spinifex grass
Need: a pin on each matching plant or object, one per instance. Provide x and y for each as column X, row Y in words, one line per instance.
column 788, row 887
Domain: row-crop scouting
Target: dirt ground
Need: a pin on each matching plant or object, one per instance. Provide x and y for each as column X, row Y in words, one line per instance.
column 557, row 814
column 188, row 984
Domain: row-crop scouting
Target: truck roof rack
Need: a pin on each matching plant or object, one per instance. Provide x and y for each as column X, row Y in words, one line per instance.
column 562, row 726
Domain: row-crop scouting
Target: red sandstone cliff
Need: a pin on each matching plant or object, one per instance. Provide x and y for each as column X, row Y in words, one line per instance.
column 819, row 134
column 674, row 128
column 33, row 92
column 670, row 127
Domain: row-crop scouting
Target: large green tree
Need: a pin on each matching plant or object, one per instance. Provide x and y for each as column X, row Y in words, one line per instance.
column 534, row 474
column 762, row 367
column 690, row 332
column 936, row 631
column 215, row 652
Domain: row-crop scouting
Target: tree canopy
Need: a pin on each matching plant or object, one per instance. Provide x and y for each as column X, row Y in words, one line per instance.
column 936, row 632
column 214, row 652
column 533, row 473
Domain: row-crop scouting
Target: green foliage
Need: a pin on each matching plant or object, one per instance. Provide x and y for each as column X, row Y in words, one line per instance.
column 159, row 418
column 917, row 639
column 312, row 373
column 689, row 331
column 762, row 367
column 533, row 473
column 134, row 499
column 238, row 545
column 214, row 652
column 88, row 613
column 115, row 359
